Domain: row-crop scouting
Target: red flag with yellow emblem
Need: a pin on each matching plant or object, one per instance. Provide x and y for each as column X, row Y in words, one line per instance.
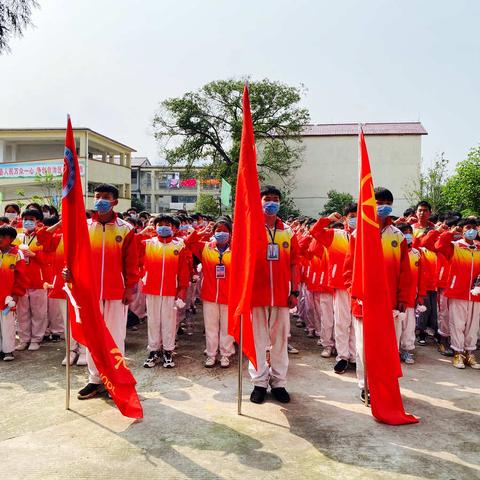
column 369, row 285
column 88, row 325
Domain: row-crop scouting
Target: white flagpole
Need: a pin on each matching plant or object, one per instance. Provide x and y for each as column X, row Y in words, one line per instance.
column 240, row 368
column 67, row 356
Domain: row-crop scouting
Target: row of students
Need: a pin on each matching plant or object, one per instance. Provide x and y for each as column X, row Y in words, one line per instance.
column 160, row 258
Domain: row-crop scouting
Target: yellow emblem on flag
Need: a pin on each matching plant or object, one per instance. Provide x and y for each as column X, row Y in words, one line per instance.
column 118, row 357
column 369, row 202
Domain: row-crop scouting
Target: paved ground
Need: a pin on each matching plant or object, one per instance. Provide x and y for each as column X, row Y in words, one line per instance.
column 191, row 429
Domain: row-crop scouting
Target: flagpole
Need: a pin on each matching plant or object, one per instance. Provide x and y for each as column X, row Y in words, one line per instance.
column 240, row 365
column 67, row 357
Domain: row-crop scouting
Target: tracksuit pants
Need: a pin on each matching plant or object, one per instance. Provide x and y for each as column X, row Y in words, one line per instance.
column 443, row 315
column 115, row 316
column 32, row 315
column 464, row 322
column 162, row 323
column 344, row 329
column 271, row 327
column 429, row 317
column 7, row 332
column 139, row 305
column 405, row 330
column 56, row 322
column 358, row 327
column 215, row 316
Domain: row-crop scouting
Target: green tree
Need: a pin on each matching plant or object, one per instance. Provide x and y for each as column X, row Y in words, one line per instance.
column 138, row 204
column 337, row 201
column 204, row 127
column 15, row 16
column 462, row 189
column 430, row 186
column 287, row 206
column 208, row 205
column 50, row 192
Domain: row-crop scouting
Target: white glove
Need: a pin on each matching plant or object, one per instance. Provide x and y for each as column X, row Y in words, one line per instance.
column 475, row 291
column 179, row 303
column 421, row 308
column 199, row 267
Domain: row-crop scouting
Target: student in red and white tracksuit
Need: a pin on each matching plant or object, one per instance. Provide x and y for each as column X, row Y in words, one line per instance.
column 165, row 280
column 12, row 286
column 215, row 257
column 405, row 321
column 32, row 307
column 115, row 264
column 463, row 290
column 397, row 265
column 275, row 291
column 336, row 241
column 321, row 308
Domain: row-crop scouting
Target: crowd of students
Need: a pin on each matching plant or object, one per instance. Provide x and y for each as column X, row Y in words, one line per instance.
column 159, row 267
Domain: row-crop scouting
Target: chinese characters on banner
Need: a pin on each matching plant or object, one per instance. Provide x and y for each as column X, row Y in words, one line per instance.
column 32, row 169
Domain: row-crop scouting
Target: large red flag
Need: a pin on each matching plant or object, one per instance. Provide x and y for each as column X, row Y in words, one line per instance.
column 249, row 239
column 88, row 325
column 369, row 285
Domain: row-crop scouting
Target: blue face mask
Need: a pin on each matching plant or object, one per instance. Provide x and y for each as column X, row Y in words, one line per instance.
column 29, row 225
column 384, row 211
column 271, row 208
column 222, row 237
column 184, row 227
column 409, row 238
column 102, row 205
column 470, row 234
column 352, row 223
column 164, row 231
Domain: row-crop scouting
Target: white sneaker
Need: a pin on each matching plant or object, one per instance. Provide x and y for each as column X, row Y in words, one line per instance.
column 8, row 357
column 82, row 359
column 21, row 346
column 224, row 362
column 210, row 362
column 33, row 346
column 327, row 352
column 73, row 357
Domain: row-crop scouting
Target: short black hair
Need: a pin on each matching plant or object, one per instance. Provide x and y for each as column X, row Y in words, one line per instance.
column 223, row 221
column 403, row 227
column 424, row 203
column 337, row 225
column 4, row 220
column 270, row 190
column 49, row 222
column 132, row 208
column 8, row 231
column 451, row 221
column 176, row 222
column 107, row 188
column 384, row 194
column 163, row 218
column 14, row 206
column 34, row 205
column 467, row 221
column 434, row 218
column 409, row 211
column 33, row 213
column 350, row 208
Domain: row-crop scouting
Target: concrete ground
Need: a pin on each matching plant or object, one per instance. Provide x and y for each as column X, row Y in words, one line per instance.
column 191, row 428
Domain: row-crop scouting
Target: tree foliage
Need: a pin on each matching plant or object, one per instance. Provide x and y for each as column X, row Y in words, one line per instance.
column 15, row 16
column 208, row 205
column 462, row 190
column 204, row 127
column 138, row 204
column 337, row 201
column 430, row 186
column 50, row 192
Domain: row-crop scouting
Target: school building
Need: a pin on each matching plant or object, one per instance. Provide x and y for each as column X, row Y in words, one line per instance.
column 31, row 164
column 164, row 188
column 330, row 162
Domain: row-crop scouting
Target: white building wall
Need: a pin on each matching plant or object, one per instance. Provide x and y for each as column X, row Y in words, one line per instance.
column 331, row 163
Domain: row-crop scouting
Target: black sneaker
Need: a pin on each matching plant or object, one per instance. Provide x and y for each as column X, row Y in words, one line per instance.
column 362, row 396
column 280, row 395
column 55, row 337
column 352, row 365
column 258, row 395
column 341, row 366
column 180, row 331
column 152, row 360
column 46, row 338
column 422, row 338
column 90, row 390
column 168, row 360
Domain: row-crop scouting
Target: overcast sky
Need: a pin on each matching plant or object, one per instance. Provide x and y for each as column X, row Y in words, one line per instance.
column 110, row 62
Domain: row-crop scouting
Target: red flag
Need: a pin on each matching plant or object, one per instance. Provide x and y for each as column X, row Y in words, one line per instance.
column 248, row 240
column 88, row 325
column 369, row 285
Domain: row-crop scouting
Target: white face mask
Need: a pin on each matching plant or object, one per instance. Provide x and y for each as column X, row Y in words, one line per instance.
column 11, row 215
column 46, row 215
